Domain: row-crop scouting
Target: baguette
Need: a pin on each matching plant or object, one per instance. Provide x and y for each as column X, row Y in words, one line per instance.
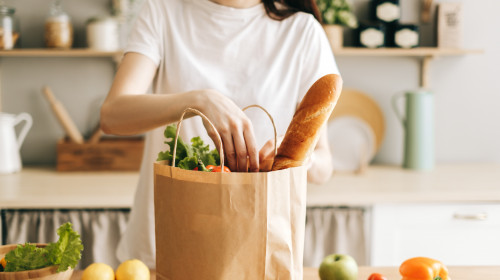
column 304, row 130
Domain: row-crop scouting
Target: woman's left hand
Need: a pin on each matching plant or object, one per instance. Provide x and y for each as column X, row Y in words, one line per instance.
column 266, row 154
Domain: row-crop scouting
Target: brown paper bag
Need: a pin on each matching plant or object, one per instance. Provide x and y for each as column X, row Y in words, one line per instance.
column 227, row 226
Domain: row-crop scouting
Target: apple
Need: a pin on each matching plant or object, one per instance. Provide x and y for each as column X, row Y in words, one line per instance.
column 338, row 267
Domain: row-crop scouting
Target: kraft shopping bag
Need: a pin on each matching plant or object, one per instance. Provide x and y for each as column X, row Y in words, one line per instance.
column 227, row 226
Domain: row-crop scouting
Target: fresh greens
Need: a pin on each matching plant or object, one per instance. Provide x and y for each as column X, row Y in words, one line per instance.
column 188, row 156
column 66, row 252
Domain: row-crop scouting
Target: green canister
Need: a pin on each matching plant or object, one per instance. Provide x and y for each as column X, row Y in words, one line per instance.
column 418, row 124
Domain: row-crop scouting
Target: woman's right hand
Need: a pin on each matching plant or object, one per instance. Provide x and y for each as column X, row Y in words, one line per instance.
column 234, row 127
column 128, row 111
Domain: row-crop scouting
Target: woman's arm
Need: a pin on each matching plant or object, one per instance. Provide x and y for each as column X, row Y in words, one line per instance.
column 321, row 166
column 127, row 111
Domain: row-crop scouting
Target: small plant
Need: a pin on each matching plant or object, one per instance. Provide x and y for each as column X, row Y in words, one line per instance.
column 337, row 12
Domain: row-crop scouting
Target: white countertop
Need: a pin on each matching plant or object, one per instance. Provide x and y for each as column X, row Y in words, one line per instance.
column 386, row 184
column 46, row 188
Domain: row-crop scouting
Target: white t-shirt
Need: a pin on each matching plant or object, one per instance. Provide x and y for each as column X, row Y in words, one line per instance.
column 243, row 54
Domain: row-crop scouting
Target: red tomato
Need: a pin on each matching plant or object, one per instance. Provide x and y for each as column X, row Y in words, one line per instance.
column 213, row 168
column 377, row 276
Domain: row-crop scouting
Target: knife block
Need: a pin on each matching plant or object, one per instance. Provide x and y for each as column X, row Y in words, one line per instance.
column 109, row 154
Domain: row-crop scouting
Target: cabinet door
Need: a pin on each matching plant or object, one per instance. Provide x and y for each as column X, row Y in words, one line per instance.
column 456, row 234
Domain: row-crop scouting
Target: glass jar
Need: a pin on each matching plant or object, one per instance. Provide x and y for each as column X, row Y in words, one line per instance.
column 9, row 30
column 58, row 28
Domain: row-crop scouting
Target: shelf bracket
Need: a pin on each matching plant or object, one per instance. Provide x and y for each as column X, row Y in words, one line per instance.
column 424, row 71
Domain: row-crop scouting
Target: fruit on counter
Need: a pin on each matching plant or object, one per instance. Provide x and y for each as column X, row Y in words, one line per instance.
column 188, row 156
column 377, row 276
column 3, row 264
column 65, row 253
column 338, row 267
column 132, row 270
column 98, row 271
column 423, row 268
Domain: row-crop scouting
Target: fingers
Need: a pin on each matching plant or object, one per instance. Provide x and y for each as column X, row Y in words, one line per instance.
column 251, row 147
column 267, row 153
column 235, row 130
column 229, row 150
column 244, row 152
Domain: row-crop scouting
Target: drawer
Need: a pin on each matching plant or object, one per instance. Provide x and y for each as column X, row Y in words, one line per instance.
column 456, row 234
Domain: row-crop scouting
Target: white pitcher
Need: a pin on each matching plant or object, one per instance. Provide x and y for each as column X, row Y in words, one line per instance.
column 10, row 145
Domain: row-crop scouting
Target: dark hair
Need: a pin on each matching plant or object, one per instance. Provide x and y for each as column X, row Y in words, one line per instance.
column 290, row 8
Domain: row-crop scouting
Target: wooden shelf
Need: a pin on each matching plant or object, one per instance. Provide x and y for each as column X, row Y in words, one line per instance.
column 426, row 54
column 59, row 53
column 347, row 51
column 418, row 52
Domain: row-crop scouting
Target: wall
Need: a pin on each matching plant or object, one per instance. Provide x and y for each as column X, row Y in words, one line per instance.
column 81, row 84
column 466, row 92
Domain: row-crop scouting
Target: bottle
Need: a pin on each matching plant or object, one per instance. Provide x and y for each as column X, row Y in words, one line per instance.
column 9, row 29
column 58, row 27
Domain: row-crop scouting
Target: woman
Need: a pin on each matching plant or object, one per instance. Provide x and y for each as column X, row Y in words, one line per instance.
column 216, row 56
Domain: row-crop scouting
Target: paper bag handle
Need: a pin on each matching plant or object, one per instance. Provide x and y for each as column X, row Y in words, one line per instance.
column 179, row 123
column 221, row 151
column 272, row 122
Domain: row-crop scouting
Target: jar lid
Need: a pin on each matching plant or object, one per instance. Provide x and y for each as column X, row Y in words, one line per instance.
column 101, row 19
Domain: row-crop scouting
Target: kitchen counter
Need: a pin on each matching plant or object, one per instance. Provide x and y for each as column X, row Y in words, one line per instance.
column 386, row 184
column 38, row 187
column 46, row 188
column 456, row 273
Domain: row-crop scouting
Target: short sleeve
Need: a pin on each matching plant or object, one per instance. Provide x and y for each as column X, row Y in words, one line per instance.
column 318, row 57
column 146, row 34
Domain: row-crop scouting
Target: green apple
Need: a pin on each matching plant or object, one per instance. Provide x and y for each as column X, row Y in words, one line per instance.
column 338, row 267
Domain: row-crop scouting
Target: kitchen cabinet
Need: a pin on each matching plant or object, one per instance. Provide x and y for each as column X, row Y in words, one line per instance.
column 454, row 233
column 451, row 213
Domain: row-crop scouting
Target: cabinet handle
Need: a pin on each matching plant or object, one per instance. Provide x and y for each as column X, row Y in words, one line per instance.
column 476, row 217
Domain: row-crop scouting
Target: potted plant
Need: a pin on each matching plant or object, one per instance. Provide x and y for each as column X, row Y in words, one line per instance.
column 336, row 14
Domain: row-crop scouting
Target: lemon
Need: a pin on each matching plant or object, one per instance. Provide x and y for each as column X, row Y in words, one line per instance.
column 132, row 270
column 98, row 271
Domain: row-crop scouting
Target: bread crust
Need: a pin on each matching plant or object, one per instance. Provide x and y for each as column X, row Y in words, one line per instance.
column 304, row 130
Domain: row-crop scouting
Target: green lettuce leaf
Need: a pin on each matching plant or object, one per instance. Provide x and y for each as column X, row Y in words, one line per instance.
column 66, row 252
column 188, row 155
column 26, row 257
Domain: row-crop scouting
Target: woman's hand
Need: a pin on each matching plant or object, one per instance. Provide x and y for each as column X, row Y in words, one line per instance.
column 234, row 127
column 267, row 153
column 319, row 164
column 127, row 111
